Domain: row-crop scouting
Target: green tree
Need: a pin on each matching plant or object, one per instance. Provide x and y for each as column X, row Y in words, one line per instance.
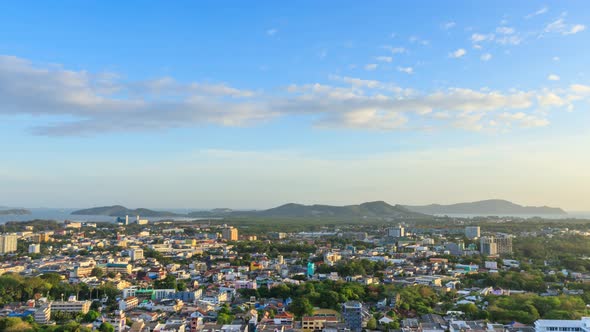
column 90, row 316
column 301, row 307
column 372, row 323
column 106, row 327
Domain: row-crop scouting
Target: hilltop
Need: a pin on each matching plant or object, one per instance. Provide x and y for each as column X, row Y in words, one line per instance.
column 121, row 211
column 486, row 207
column 378, row 209
column 16, row 212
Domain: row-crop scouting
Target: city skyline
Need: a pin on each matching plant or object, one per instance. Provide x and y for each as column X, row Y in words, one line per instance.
column 201, row 105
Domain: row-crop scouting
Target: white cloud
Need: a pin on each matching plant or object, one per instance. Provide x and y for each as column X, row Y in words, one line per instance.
column 458, row 53
column 505, row 30
column 384, row 58
column 553, row 77
column 522, row 119
column 559, row 26
column 395, row 50
column 84, row 103
column 555, row 58
column 448, row 25
column 371, row 66
column 550, row 99
column 272, row 32
column 576, row 28
column 486, row 57
column 407, row 70
column 541, row 11
column 418, row 40
column 478, row 37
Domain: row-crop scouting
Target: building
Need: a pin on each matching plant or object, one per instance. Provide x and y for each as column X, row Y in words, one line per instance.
column 352, row 313
column 140, row 221
column 504, row 244
column 43, row 314
column 136, row 254
column 472, row 232
column 128, row 303
column 492, row 246
column 277, row 235
column 398, row 231
column 117, row 320
column 71, row 306
column 488, row 246
column 229, row 233
column 7, row 243
column 41, row 237
column 34, row 248
column 310, row 269
column 558, row 325
column 122, row 268
column 317, row 322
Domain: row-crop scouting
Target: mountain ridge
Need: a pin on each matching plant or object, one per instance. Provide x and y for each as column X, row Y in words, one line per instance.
column 486, row 207
column 121, row 211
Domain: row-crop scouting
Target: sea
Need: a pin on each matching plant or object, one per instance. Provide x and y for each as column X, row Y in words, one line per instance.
column 66, row 214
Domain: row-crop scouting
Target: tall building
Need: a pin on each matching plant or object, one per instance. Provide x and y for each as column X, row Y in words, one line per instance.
column 491, row 245
column 229, row 233
column 136, row 254
column 504, row 244
column 488, row 246
column 472, row 232
column 352, row 313
column 398, row 231
column 7, row 243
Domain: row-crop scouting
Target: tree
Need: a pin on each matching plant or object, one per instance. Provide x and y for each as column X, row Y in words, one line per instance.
column 372, row 323
column 301, row 307
column 106, row 327
column 97, row 272
column 91, row 316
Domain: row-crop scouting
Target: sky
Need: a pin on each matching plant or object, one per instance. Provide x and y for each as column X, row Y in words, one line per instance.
column 205, row 104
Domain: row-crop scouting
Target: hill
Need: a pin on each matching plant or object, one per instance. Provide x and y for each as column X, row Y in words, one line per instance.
column 16, row 212
column 121, row 211
column 486, row 207
column 377, row 209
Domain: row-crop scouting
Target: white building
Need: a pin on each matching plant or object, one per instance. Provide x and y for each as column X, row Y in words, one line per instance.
column 43, row 314
column 558, row 325
column 7, row 243
column 34, row 248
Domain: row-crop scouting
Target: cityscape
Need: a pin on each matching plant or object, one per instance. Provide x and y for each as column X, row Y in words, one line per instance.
column 294, row 166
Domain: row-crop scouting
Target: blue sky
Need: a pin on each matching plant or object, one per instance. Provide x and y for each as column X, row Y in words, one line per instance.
column 249, row 105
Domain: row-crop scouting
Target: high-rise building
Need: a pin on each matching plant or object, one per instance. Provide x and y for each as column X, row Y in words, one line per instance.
column 491, row 245
column 488, row 246
column 136, row 254
column 398, row 231
column 472, row 232
column 229, row 233
column 352, row 313
column 504, row 244
column 7, row 243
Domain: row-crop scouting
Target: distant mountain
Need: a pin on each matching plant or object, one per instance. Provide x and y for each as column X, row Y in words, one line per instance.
column 121, row 211
column 16, row 212
column 486, row 207
column 377, row 209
